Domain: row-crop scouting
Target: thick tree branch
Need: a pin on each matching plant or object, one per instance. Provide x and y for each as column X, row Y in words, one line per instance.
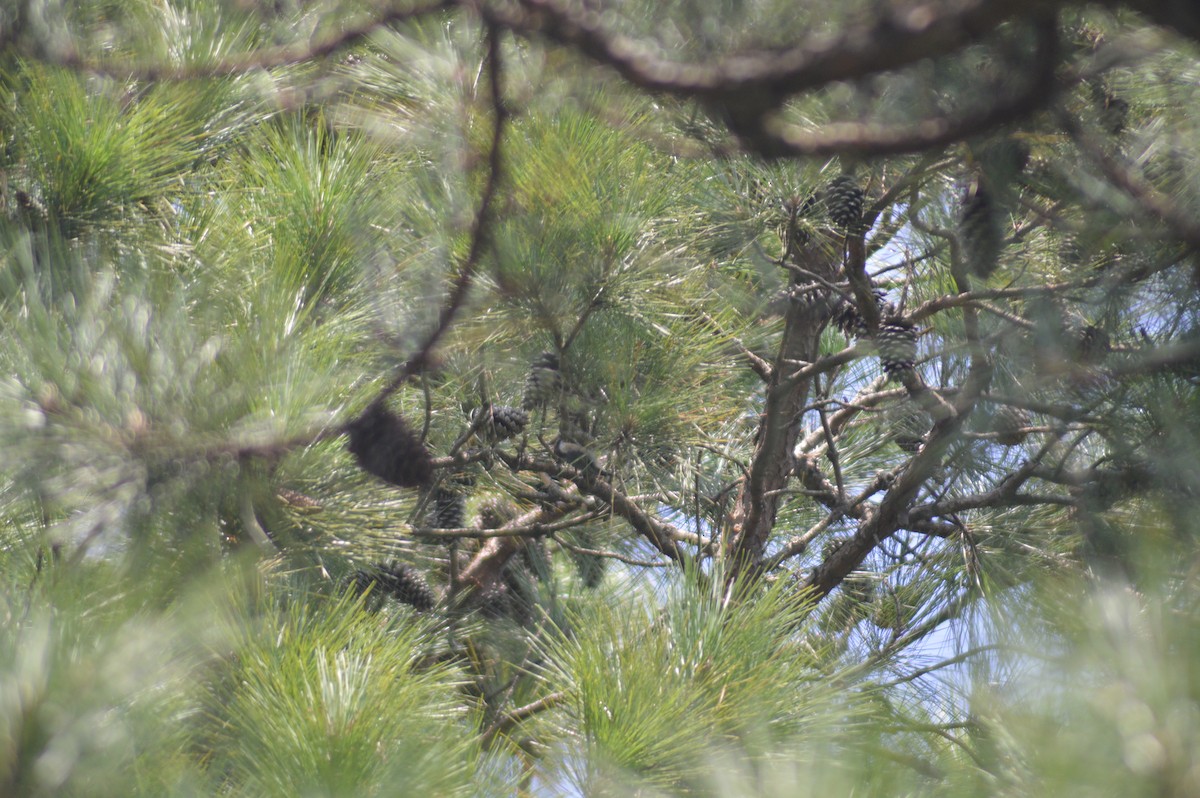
column 485, row 571
column 748, row 90
column 858, row 139
column 755, row 512
column 753, row 84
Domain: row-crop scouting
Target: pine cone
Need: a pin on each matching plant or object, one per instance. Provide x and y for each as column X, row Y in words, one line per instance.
column 979, row 231
column 502, row 422
column 814, row 299
column 383, row 445
column 1009, row 423
column 849, row 320
column 449, row 509
column 1087, row 342
column 544, row 381
column 402, row 582
column 844, row 203
column 363, row 580
column 406, row 584
column 897, row 342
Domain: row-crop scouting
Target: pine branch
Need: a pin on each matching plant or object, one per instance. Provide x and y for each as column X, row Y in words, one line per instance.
column 510, row 720
column 63, row 53
column 610, row 555
column 757, row 505
column 534, row 529
column 851, row 139
column 821, row 366
column 485, row 571
column 663, row 536
column 751, row 85
column 893, row 509
column 858, row 508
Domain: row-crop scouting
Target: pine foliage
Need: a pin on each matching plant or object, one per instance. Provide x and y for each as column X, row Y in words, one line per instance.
column 478, row 402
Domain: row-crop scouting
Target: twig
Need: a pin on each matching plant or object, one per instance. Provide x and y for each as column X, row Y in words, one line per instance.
column 867, row 398
column 760, row 366
column 506, row 722
column 858, row 508
column 827, row 363
column 527, row 530
column 957, row 658
column 663, row 536
column 830, row 446
column 610, row 555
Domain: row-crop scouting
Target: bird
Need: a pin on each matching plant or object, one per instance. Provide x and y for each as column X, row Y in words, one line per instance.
column 579, row 458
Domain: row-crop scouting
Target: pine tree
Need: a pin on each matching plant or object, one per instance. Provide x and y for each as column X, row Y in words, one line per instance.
column 467, row 309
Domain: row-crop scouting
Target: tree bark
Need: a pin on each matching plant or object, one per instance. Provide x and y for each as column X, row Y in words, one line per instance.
column 757, row 505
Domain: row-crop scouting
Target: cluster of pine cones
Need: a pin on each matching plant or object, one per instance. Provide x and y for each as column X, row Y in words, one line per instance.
column 896, row 338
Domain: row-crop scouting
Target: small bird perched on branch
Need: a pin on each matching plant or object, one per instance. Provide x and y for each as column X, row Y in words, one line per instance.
column 579, row 458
